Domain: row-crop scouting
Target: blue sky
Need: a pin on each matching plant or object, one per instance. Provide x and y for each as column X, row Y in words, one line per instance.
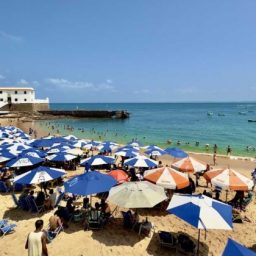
column 130, row 51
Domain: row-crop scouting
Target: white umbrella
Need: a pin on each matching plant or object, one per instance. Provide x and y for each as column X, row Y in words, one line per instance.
column 141, row 194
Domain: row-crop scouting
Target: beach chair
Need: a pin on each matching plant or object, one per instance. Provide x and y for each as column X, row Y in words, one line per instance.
column 3, row 222
column 185, row 246
column 127, row 220
column 167, row 239
column 52, row 234
column 34, row 207
column 22, row 203
column 94, row 220
column 8, row 228
column 3, row 187
column 60, row 197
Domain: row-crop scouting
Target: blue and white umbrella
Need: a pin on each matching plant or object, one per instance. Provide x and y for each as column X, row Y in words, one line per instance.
column 155, row 152
column 70, row 137
column 34, row 152
column 135, row 143
column 39, row 175
column 6, row 156
column 107, row 146
column 49, row 142
column 97, row 160
column 24, row 160
column 89, row 183
column 128, row 147
column 79, row 143
column 201, row 212
column 141, row 161
column 61, row 157
column 176, row 152
column 233, row 248
column 59, row 149
column 126, row 153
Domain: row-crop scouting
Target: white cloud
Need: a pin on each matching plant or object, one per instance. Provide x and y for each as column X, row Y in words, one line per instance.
column 10, row 37
column 78, row 85
column 23, row 82
column 2, row 77
column 109, row 81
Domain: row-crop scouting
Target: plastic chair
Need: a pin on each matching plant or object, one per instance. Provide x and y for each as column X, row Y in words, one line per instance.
column 7, row 229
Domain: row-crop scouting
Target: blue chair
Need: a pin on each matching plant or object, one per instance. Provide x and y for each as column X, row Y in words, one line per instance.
column 60, row 197
column 33, row 207
column 8, row 228
column 3, row 222
column 3, row 187
column 21, row 203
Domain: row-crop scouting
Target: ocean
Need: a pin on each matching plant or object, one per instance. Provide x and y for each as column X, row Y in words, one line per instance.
column 157, row 123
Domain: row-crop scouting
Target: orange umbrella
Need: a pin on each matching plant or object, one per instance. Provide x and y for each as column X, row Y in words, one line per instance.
column 167, row 178
column 119, row 175
column 228, row 179
column 189, row 164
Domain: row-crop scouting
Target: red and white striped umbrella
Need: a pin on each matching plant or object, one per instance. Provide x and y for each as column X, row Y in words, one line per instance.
column 228, row 179
column 189, row 164
column 167, row 177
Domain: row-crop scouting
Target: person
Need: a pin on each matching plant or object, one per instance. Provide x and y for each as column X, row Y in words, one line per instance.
column 54, row 222
column 105, row 209
column 40, row 199
column 229, row 150
column 70, row 207
column 254, row 178
column 214, row 159
column 52, row 197
column 36, row 241
column 160, row 164
column 215, row 147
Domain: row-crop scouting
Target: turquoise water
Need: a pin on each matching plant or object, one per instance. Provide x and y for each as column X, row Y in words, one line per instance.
column 158, row 122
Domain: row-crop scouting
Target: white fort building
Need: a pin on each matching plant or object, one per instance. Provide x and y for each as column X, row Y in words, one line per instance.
column 21, row 99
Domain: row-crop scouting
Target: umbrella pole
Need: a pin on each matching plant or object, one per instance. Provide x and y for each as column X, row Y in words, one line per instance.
column 198, row 242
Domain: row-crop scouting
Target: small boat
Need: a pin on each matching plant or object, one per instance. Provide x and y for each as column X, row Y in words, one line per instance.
column 209, row 113
column 251, row 121
column 242, row 113
column 221, row 114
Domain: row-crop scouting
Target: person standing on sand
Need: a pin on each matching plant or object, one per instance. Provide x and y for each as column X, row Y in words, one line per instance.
column 36, row 241
column 229, row 150
column 214, row 158
column 215, row 147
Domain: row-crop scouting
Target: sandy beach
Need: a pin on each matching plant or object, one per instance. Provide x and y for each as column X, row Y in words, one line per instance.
column 113, row 239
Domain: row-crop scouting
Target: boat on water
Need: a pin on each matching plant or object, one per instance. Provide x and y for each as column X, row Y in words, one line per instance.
column 209, row 113
column 252, row 121
column 242, row 113
column 221, row 114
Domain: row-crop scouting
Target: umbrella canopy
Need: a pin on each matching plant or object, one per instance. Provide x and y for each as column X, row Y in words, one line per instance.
column 79, row 143
column 107, row 146
column 24, row 160
column 61, row 157
column 155, row 152
column 6, row 156
column 48, row 142
column 176, row 152
column 228, row 179
column 200, row 211
column 75, row 151
column 189, row 164
column 70, row 137
column 89, row 183
column 141, row 194
column 97, row 160
column 234, row 248
column 126, row 153
column 141, row 161
column 128, row 148
column 34, row 152
column 167, row 177
column 135, row 143
column 119, row 175
column 38, row 175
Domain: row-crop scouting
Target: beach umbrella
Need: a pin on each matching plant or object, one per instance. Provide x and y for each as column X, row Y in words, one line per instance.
column 24, row 160
column 126, row 153
column 107, row 146
column 135, row 143
column 59, row 149
column 119, row 175
column 75, row 151
column 34, row 152
column 18, row 147
column 70, row 137
column 167, row 177
column 233, row 248
column 128, row 148
column 79, row 143
column 91, row 144
column 48, row 142
column 176, row 152
column 141, row 161
column 97, row 160
column 6, row 156
column 39, row 175
column 228, row 179
column 141, row 194
column 202, row 212
column 61, row 157
column 189, row 164
column 155, row 152
column 88, row 183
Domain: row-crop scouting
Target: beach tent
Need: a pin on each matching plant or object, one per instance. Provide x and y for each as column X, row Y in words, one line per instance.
column 141, row 161
column 88, row 183
column 233, row 248
column 167, row 177
column 202, row 212
column 126, row 153
column 141, row 194
column 24, row 160
column 119, row 175
column 228, row 179
column 97, row 160
column 38, row 175
column 189, row 164
column 61, row 157
column 176, row 152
